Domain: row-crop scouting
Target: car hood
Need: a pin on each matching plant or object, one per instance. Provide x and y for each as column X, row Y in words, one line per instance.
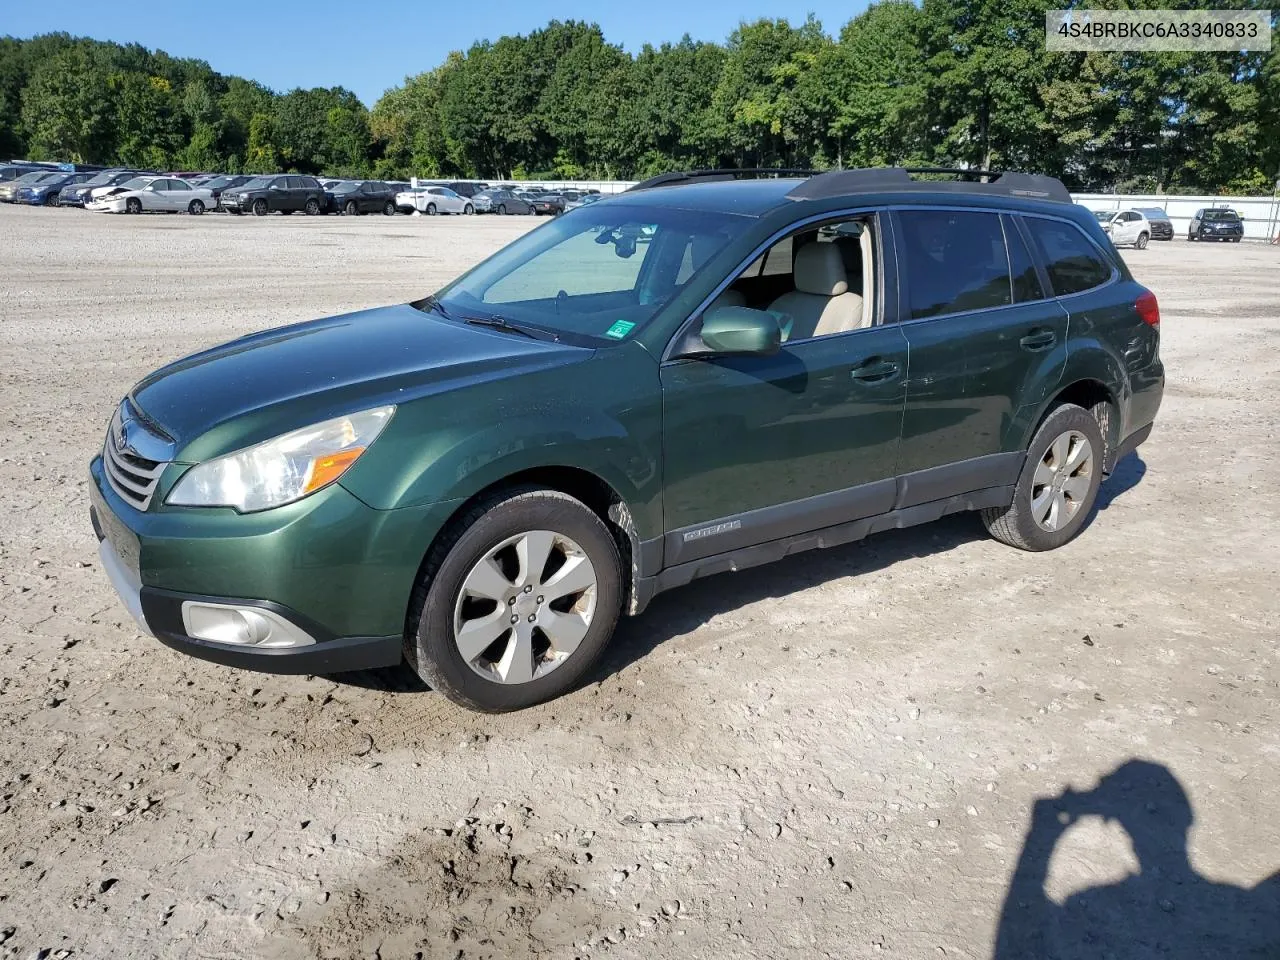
column 268, row 383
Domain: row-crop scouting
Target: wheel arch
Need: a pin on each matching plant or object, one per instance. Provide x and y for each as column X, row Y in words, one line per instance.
column 1093, row 395
column 592, row 490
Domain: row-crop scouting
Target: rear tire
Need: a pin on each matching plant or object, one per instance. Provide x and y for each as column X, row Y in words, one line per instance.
column 1141, row 242
column 566, row 633
column 389, row 209
column 351, row 209
column 468, row 210
column 502, row 209
column 195, row 208
column 260, row 208
column 1057, row 491
column 431, row 210
column 312, row 207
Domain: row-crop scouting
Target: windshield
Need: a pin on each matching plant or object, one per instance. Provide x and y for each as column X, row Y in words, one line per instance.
column 137, row 183
column 1103, row 216
column 215, row 183
column 34, row 177
column 101, row 180
column 1221, row 215
column 597, row 272
column 258, row 183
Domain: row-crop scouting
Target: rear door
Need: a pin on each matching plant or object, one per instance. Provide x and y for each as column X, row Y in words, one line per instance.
column 178, row 193
column 984, row 341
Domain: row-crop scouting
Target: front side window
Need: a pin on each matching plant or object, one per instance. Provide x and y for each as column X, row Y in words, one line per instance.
column 1072, row 262
column 956, row 261
column 594, row 273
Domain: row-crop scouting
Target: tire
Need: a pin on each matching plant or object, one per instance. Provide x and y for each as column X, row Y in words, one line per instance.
column 1141, row 242
column 1058, row 438
column 1235, row 239
column 312, row 207
column 389, row 209
column 195, row 208
column 52, row 200
column 493, row 529
column 133, row 205
column 468, row 210
column 351, row 209
column 431, row 210
column 236, row 213
column 502, row 209
column 260, row 208
column 1191, row 238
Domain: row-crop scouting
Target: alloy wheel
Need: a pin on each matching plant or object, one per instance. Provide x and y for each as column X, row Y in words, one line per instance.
column 1060, row 486
column 524, row 607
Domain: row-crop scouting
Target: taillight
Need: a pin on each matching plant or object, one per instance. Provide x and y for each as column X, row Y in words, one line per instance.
column 1148, row 308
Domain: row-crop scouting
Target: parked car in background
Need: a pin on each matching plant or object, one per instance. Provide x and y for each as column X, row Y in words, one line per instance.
column 1216, row 223
column 551, row 204
column 283, row 193
column 1161, row 225
column 433, row 200
column 586, row 198
column 45, row 193
column 153, row 195
column 1124, row 227
column 78, row 194
column 10, row 188
column 501, row 202
column 361, row 196
column 465, row 188
column 219, row 185
column 12, row 171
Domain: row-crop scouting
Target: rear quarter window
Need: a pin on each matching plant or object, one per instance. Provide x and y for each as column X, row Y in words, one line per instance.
column 1070, row 258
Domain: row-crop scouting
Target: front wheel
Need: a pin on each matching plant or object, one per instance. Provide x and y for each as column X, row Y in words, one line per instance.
column 1141, row 242
column 468, row 210
column 1058, row 487
column 259, row 208
column 195, row 208
column 351, row 209
column 133, row 205
column 52, row 200
column 516, row 602
column 389, row 209
column 431, row 210
column 502, row 209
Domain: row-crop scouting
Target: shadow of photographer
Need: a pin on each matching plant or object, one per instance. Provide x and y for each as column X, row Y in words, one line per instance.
column 1165, row 910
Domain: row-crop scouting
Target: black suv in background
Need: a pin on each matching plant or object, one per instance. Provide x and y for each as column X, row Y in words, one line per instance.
column 1216, row 223
column 1161, row 225
column 217, row 186
column 361, row 196
column 283, row 193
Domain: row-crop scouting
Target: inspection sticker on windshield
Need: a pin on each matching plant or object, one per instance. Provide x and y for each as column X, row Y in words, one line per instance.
column 619, row 330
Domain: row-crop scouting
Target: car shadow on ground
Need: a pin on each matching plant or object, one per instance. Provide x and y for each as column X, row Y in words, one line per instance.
column 1166, row 909
column 686, row 608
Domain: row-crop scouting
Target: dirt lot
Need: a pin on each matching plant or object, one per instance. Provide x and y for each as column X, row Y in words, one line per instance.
column 835, row 756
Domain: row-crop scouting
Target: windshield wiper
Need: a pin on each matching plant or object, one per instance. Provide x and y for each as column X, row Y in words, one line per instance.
column 429, row 302
column 499, row 323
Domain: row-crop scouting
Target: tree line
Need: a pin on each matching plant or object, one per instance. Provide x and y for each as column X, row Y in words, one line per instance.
column 942, row 82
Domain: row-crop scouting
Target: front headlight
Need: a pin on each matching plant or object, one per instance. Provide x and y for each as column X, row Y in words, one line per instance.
column 284, row 469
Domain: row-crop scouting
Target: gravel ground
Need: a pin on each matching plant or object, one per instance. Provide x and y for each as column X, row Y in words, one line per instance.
column 839, row 755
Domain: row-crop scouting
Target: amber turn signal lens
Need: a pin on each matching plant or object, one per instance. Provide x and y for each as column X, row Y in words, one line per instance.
column 325, row 470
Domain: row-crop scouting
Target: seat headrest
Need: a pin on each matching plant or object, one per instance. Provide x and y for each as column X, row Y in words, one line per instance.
column 819, row 270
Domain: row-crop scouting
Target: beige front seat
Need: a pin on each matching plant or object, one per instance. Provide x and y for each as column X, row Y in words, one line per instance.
column 821, row 302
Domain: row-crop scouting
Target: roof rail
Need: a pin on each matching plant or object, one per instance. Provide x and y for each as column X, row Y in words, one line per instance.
column 706, row 176
column 838, row 183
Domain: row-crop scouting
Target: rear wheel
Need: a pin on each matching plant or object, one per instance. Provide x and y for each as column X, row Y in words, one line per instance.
column 312, row 207
column 468, row 210
column 133, row 205
column 389, row 209
column 259, row 208
column 502, row 209
column 1141, row 242
column 431, row 210
column 1058, row 487
column 195, row 207
column 516, row 602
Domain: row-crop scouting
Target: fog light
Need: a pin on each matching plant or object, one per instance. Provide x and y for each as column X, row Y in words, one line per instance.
column 241, row 626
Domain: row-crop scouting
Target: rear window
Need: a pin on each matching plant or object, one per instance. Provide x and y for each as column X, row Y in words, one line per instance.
column 956, row 261
column 1073, row 263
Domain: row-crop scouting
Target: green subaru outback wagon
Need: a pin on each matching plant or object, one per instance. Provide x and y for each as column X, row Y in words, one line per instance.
column 705, row 373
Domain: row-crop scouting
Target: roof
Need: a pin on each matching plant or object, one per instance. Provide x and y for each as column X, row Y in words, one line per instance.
column 752, row 198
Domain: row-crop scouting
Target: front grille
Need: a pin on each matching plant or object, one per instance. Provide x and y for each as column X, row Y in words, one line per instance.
column 131, row 476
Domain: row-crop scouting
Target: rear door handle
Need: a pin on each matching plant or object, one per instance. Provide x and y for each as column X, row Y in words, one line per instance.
column 1038, row 340
column 875, row 370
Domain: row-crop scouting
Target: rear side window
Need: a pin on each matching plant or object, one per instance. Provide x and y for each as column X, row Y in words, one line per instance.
column 1022, row 269
column 956, row 261
column 1072, row 262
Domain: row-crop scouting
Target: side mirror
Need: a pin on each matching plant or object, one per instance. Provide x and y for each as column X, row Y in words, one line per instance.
column 733, row 330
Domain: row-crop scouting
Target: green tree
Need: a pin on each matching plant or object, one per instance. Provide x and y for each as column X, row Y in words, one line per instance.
column 68, row 111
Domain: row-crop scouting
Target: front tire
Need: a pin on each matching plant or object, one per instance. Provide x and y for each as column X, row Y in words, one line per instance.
column 351, row 209
column 1058, row 488
column 195, row 208
column 516, row 602
column 502, row 209
column 133, row 205
column 1141, row 242
column 259, row 208
column 389, row 209
column 431, row 210
column 468, row 210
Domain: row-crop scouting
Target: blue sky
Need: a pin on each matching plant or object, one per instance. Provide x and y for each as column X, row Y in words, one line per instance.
column 371, row 46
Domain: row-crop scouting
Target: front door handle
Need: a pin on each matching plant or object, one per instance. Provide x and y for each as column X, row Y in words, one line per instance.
column 1038, row 340
column 875, row 370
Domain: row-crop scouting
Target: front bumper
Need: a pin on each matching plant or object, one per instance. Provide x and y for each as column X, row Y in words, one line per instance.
column 106, row 206
column 335, row 569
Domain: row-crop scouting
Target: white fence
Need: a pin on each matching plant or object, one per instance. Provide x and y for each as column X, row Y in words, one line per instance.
column 1261, row 214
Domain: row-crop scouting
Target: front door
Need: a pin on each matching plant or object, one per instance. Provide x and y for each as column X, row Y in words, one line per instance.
column 984, row 341
column 759, row 448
